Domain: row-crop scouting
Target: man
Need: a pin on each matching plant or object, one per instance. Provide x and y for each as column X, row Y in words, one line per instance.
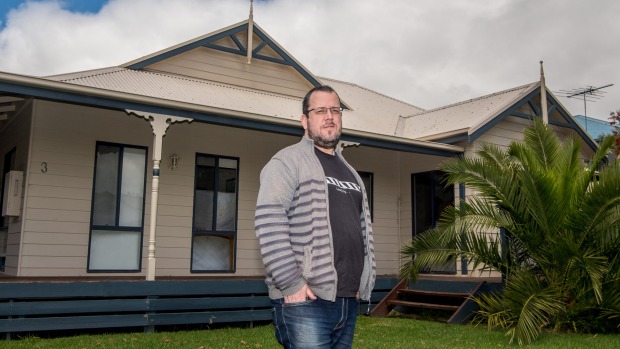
column 314, row 230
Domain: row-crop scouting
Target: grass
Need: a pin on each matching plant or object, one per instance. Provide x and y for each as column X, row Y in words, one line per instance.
column 370, row 333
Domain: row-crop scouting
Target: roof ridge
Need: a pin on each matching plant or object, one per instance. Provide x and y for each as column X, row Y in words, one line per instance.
column 76, row 75
column 473, row 99
column 58, row 77
column 369, row 90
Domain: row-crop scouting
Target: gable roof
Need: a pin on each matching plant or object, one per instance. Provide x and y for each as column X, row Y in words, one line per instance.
column 372, row 118
column 367, row 106
column 187, row 90
column 468, row 120
column 462, row 117
column 266, row 49
column 370, row 111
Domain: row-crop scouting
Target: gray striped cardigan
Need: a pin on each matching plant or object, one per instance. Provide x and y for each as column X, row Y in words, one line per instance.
column 292, row 226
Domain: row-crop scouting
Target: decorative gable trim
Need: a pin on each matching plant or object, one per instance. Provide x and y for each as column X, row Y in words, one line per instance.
column 529, row 99
column 209, row 41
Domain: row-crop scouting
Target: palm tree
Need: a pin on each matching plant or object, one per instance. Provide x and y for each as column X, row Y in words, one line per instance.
column 560, row 222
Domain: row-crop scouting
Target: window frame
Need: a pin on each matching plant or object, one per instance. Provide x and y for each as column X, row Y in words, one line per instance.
column 213, row 231
column 370, row 192
column 117, row 227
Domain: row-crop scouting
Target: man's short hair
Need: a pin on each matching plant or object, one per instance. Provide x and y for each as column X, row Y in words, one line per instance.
column 324, row 88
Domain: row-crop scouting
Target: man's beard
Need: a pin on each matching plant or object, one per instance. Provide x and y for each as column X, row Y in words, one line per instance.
column 323, row 142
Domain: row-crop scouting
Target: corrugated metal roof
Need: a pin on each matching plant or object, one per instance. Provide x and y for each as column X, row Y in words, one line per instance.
column 188, row 90
column 371, row 111
column 466, row 115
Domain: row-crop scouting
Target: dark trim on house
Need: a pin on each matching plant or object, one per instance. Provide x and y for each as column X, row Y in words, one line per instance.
column 213, row 231
column 554, row 105
column 453, row 139
column 117, row 227
column 82, row 305
column 397, row 146
column 462, row 199
column 209, row 42
column 114, row 104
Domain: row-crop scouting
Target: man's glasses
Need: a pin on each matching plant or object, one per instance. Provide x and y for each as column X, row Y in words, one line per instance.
column 336, row 111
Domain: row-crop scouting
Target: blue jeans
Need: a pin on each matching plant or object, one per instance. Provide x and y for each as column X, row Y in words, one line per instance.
column 315, row 324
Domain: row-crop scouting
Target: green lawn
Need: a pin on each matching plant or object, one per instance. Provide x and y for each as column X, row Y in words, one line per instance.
column 371, row 333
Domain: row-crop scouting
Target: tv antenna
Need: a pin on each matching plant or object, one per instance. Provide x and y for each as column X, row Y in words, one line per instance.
column 589, row 94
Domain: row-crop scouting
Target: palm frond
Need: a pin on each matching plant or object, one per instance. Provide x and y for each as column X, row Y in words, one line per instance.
column 559, row 232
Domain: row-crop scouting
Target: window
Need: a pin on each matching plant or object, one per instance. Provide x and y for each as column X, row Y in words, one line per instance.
column 368, row 185
column 117, row 215
column 429, row 197
column 215, row 214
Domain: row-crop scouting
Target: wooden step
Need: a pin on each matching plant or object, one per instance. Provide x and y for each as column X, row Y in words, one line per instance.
column 406, row 291
column 424, row 305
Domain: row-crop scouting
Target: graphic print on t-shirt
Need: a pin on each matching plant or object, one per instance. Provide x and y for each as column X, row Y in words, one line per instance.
column 343, row 186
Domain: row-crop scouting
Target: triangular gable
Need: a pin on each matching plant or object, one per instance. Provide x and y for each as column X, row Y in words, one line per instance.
column 266, row 55
column 528, row 107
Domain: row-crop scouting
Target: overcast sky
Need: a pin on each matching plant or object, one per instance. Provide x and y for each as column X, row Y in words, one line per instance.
column 425, row 52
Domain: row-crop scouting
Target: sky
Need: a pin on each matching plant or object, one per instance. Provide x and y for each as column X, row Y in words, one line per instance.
column 425, row 52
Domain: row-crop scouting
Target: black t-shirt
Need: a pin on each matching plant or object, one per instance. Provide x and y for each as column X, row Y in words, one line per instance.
column 345, row 209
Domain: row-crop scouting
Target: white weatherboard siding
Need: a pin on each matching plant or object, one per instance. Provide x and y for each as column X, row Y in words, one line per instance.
column 230, row 69
column 56, row 231
column 174, row 229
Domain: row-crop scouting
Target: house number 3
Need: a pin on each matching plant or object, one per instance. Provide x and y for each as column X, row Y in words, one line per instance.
column 44, row 167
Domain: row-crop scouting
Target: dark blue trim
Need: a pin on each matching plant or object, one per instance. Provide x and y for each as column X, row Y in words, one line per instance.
column 156, row 172
column 286, row 57
column 512, row 111
column 559, row 123
column 238, row 43
column 534, row 107
column 573, row 124
column 464, row 260
column 523, row 115
column 119, row 184
column 259, row 47
column 399, row 146
column 227, row 49
column 271, row 59
column 504, row 249
column 213, row 231
column 188, row 47
column 452, row 139
column 208, row 42
column 83, row 99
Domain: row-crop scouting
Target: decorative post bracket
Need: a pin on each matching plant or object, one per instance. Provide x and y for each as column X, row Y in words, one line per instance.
column 159, row 123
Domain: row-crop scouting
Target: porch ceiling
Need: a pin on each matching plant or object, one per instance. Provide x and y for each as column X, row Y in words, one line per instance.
column 9, row 105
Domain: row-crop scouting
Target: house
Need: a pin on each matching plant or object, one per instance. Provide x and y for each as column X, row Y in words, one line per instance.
column 150, row 170
column 596, row 128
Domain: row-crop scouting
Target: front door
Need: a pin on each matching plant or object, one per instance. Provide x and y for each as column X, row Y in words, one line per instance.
column 429, row 197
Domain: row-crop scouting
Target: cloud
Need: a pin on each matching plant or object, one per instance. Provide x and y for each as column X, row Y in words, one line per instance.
column 428, row 53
